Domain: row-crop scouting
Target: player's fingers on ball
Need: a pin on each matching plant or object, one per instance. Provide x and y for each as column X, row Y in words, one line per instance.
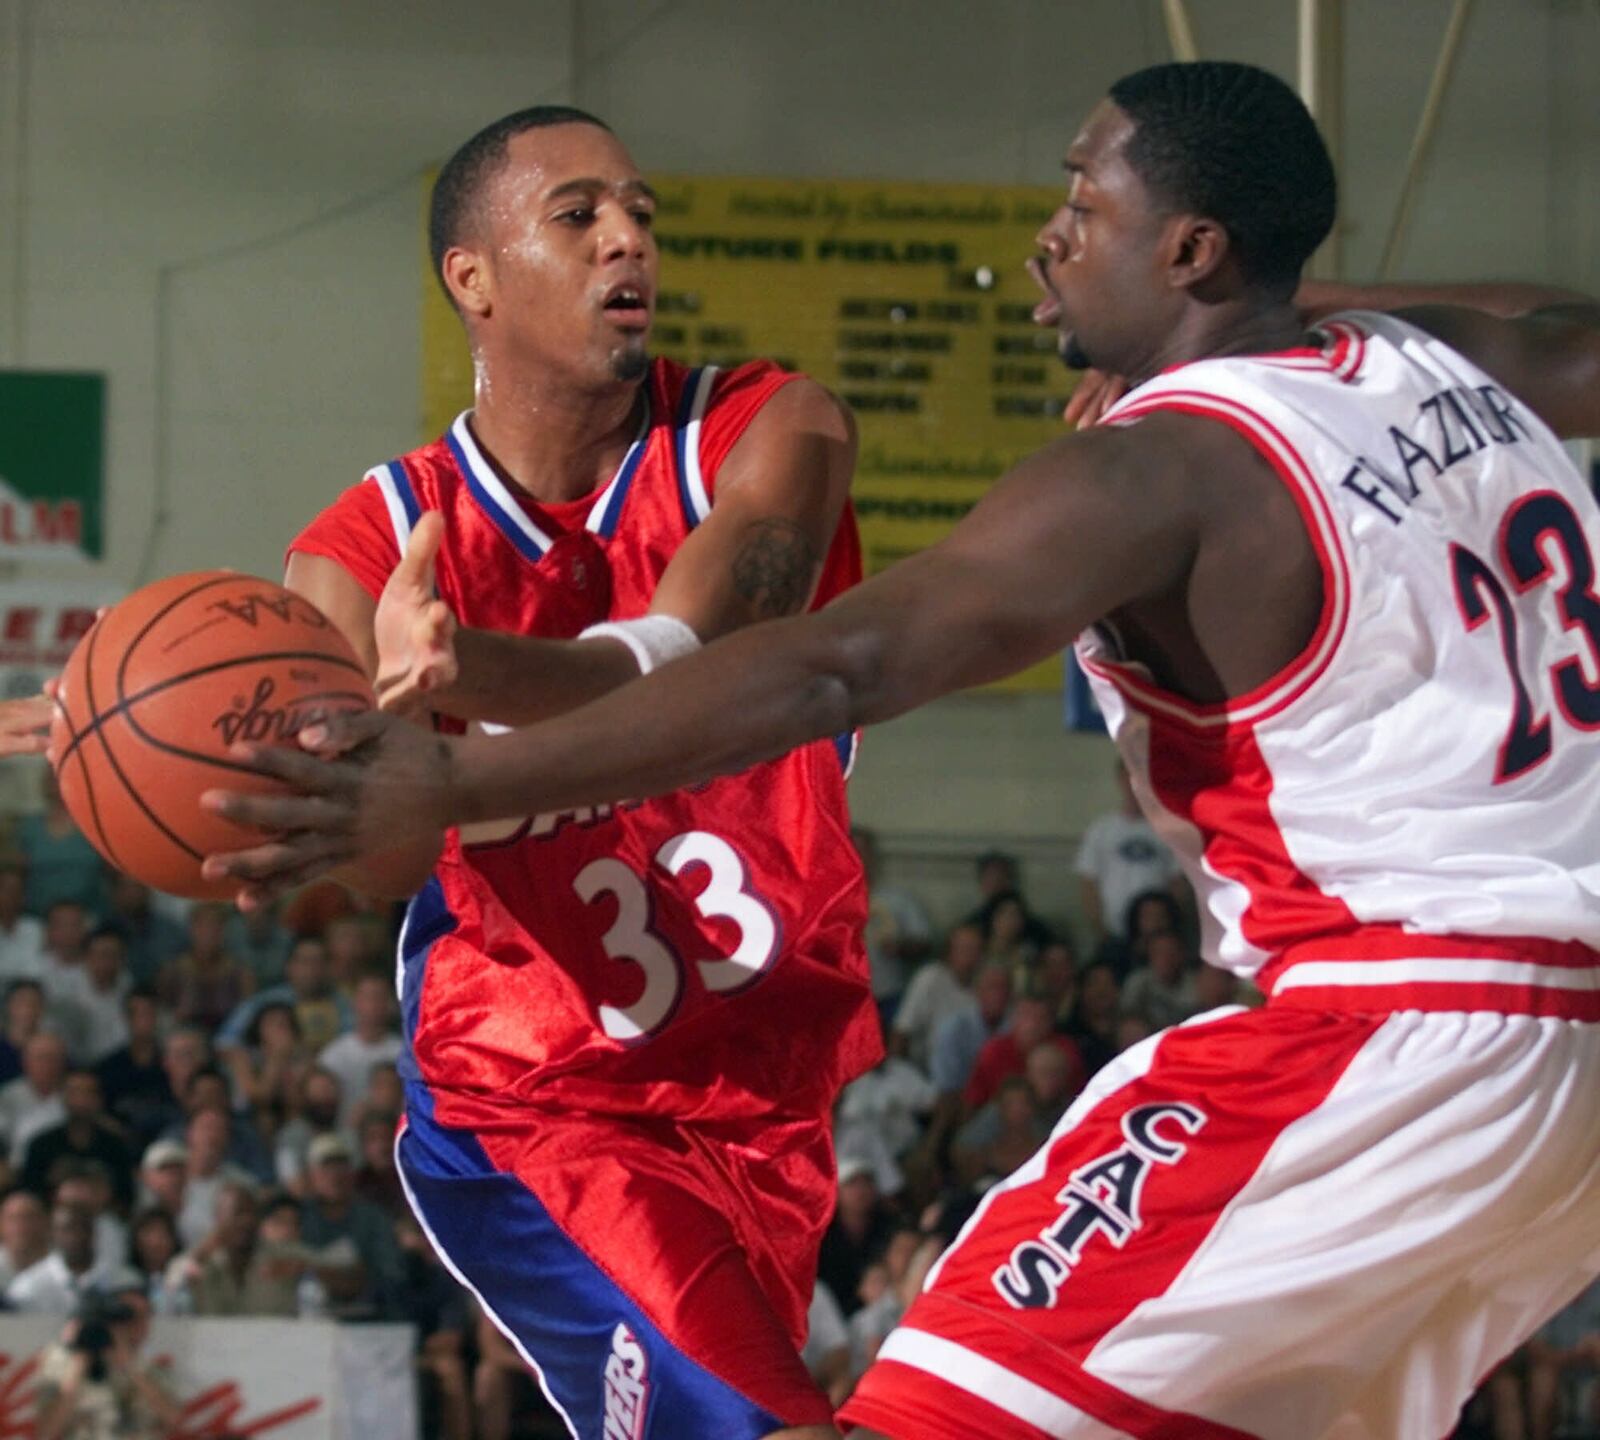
column 277, row 812
column 283, row 861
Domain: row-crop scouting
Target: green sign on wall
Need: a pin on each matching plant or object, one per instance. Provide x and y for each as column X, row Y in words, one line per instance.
column 52, row 465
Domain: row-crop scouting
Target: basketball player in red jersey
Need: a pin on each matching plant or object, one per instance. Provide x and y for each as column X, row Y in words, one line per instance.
column 626, row 1025
column 1340, row 601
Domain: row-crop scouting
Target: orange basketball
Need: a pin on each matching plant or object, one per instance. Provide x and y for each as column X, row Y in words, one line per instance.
column 159, row 689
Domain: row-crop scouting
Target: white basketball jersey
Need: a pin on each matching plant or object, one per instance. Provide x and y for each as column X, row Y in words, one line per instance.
column 1415, row 801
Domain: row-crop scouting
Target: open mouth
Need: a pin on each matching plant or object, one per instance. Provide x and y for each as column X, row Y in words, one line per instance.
column 628, row 306
column 1048, row 310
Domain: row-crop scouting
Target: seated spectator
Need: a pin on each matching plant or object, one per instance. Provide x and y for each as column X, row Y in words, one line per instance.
column 1161, row 992
column 247, row 1150
column 85, row 1134
column 442, row 1314
column 24, row 1014
column 61, row 863
column 1093, row 1023
column 1011, row 934
column 24, row 1234
column 332, row 1212
column 377, row 1179
column 1131, row 1031
column 208, row 1171
column 1054, row 978
column 164, row 1177
column 66, row 932
column 356, row 946
column 897, row 932
column 257, row 938
column 385, row 1093
column 205, row 984
column 56, row 1284
column 154, row 940
column 1018, row 1120
column 1121, row 855
column 861, row 1226
column 1566, row 1349
column 21, row 934
column 229, row 1272
column 316, row 1114
column 961, row 1037
column 329, row 1270
column 266, row 1068
column 184, row 1053
column 882, row 1300
column 1214, row 988
column 892, row 1100
column 87, row 1185
column 153, row 1245
column 99, row 1025
column 826, row 1354
column 939, row 989
column 32, row 1102
column 1150, row 912
column 996, row 872
column 319, row 1010
column 133, row 1078
column 1006, row 1055
column 372, row 1041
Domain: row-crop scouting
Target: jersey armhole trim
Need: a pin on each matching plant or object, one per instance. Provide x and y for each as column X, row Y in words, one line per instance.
column 1294, row 679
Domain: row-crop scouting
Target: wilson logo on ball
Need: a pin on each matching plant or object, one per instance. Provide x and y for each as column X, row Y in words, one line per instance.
column 256, row 719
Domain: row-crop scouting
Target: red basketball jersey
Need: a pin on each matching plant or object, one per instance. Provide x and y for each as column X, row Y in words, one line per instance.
column 695, row 957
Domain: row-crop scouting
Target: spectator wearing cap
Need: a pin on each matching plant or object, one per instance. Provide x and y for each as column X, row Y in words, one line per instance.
column 164, row 1177
column 208, row 1172
column 85, row 1134
column 56, row 1284
column 154, row 940
column 372, row 1041
column 24, row 1015
column 939, row 989
column 331, row 1212
column 96, row 996
column 21, row 934
column 861, row 1226
column 32, row 1102
column 132, row 1077
column 24, row 1234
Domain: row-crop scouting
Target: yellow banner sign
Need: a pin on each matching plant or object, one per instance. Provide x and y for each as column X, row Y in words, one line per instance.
column 909, row 300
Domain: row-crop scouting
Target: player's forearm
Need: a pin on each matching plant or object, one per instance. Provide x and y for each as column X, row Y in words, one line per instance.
column 519, row 679
column 1316, row 298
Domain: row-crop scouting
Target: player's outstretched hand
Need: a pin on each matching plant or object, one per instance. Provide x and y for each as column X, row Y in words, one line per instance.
column 365, row 785
column 414, row 630
column 1093, row 395
column 25, row 723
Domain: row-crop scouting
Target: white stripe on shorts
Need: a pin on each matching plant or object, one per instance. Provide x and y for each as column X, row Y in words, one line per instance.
column 1458, row 971
column 993, row 1384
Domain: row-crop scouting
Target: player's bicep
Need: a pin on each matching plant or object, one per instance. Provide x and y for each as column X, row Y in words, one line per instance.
column 335, row 592
column 1089, row 524
column 1549, row 359
column 780, row 493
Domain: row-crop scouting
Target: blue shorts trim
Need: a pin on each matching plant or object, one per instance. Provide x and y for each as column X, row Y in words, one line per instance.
column 608, row 1370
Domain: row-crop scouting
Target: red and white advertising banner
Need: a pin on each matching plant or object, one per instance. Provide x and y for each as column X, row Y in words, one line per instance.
column 278, row 1379
column 40, row 622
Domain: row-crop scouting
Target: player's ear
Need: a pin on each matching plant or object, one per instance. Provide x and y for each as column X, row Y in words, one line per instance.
column 1196, row 249
column 466, row 277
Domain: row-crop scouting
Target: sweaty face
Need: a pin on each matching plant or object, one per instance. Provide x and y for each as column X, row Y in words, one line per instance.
column 1099, row 260
column 569, row 260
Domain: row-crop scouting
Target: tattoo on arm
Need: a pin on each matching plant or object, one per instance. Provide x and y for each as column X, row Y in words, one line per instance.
column 775, row 567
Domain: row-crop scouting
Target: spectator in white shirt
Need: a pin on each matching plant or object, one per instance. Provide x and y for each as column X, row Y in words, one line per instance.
column 893, row 1100
column 56, row 1284
column 32, row 1102
column 99, row 1025
column 24, row 1234
column 208, row 1172
column 374, row 1041
column 826, row 1354
column 897, row 932
column 66, row 931
column 938, row 990
column 1120, row 857
column 21, row 936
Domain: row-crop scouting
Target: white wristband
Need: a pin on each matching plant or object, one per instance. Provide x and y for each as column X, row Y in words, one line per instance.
column 653, row 639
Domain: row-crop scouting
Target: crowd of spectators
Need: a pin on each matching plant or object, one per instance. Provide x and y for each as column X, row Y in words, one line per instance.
column 198, row 1107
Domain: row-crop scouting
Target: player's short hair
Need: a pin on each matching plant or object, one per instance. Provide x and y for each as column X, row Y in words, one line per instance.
column 463, row 175
column 1235, row 144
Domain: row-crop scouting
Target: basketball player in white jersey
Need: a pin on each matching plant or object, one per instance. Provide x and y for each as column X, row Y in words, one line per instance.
column 1338, row 596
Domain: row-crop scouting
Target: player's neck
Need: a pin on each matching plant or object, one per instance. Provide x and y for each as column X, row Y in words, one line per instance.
column 1232, row 327
column 556, row 444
